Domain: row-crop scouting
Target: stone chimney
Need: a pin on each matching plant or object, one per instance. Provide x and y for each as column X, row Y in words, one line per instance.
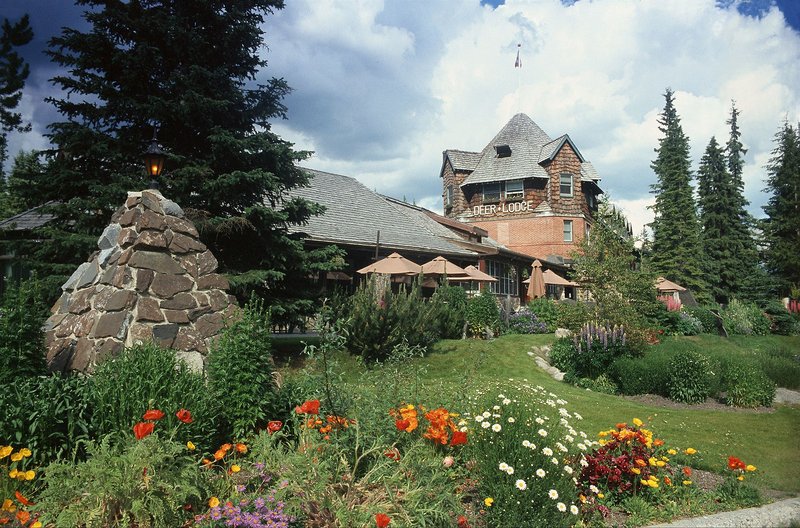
column 151, row 280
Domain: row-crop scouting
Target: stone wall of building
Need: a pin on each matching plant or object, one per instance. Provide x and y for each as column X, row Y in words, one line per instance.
column 152, row 279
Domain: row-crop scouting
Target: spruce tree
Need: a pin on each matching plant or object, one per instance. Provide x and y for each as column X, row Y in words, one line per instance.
column 189, row 69
column 13, row 73
column 782, row 225
column 676, row 249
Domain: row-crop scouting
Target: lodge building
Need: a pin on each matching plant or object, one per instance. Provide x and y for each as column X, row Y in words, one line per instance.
column 532, row 194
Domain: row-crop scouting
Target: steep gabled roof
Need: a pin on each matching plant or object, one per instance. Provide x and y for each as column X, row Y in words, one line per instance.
column 461, row 160
column 588, row 172
column 526, row 140
column 550, row 150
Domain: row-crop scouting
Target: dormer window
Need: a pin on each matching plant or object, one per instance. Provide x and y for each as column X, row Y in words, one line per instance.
column 503, row 151
column 491, row 192
column 514, row 190
column 565, row 187
column 448, row 200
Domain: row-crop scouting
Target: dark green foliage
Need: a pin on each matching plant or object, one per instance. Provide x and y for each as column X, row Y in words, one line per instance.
column 22, row 185
column 573, row 315
column 22, row 314
column 240, row 370
column 782, row 322
column 596, row 347
column 731, row 491
column 563, row 355
column 646, row 375
column 147, row 377
column 782, row 225
column 746, row 385
column 606, row 265
column 545, row 311
column 706, row 316
column 51, row 415
column 782, row 365
column 13, row 73
column 742, row 318
column 143, row 483
column 676, row 249
column 602, row 383
column 680, row 323
column 190, row 70
column 451, row 302
column 483, row 313
column 691, row 377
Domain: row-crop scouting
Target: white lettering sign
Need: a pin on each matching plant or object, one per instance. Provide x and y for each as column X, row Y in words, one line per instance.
column 510, row 207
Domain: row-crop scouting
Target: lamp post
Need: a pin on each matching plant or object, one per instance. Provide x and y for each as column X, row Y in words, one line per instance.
column 154, row 160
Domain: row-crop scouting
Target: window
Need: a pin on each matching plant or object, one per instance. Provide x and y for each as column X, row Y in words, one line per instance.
column 514, row 189
column 491, row 192
column 566, row 184
column 506, row 278
column 448, row 200
column 591, row 200
column 567, row 230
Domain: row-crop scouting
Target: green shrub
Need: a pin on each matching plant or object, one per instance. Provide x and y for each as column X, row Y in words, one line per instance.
column 706, row 316
column 745, row 319
column 145, row 377
column 746, row 385
column 781, row 365
column 546, row 311
column 645, row 375
column 596, row 347
column 782, row 322
column 51, row 415
column 146, row 483
column 563, row 355
column 240, row 370
column 690, row 377
column 603, row 383
column 573, row 315
column 483, row 313
column 450, row 303
column 22, row 315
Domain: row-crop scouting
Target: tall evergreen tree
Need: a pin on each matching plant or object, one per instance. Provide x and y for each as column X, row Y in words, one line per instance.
column 676, row 249
column 13, row 73
column 190, row 69
column 782, row 225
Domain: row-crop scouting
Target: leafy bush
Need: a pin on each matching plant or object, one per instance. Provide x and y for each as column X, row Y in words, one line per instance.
column 745, row 319
column 51, row 414
column 646, row 375
column 782, row 365
column 523, row 321
column 563, row 355
column 483, row 313
column 573, row 315
column 746, row 385
column 782, row 321
column 145, row 483
column 22, row 314
column 146, row 376
column 546, row 311
column 596, row 347
column 451, row 307
column 240, row 370
column 706, row 316
column 603, row 383
column 690, row 377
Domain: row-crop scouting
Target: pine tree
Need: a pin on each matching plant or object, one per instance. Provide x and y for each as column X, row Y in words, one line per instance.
column 188, row 68
column 782, row 225
column 676, row 249
column 13, row 73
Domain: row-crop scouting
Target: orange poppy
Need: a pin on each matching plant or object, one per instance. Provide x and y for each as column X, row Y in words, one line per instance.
column 184, row 416
column 153, row 414
column 142, row 429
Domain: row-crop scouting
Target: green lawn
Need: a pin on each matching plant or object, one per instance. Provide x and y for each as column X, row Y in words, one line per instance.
column 767, row 440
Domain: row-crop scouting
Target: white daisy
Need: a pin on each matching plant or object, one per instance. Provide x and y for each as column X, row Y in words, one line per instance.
column 584, row 463
column 520, row 484
column 502, row 396
column 553, row 494
column 511, row 419
column 542, row 433
column 583, row 435
column 486, row 414
column 486, row 425
column 539, row 420
column 561, row 447
column 503, row 466
column 547, row 451
column 541, row 473
column 496, row 408
column 506, row 401
column 577, row 416
column 479, row 418
column 561, row 507
column 464, row 429
column 594, row 489
column 554, row 460
column 496, row 428
column 510, row 470
column 573, row 509
column 569, row 438
column 526, row 443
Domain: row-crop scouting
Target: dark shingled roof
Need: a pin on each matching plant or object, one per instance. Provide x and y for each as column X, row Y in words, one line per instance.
column 462, row 160
column 530, row 147
column 26, row 220
column 354, row 214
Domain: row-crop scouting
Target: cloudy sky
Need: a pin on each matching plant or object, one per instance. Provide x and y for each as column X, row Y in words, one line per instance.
column 381, row 88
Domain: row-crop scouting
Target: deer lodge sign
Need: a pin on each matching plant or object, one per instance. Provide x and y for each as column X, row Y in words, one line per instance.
column 506, row 207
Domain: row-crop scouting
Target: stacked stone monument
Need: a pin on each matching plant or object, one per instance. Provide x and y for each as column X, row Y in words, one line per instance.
column 151, row 280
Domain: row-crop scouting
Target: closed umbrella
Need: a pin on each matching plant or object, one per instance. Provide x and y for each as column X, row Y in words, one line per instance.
column 394, row 264
column 536, row 284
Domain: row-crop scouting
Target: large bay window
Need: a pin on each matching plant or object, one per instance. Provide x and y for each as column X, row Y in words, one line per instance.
column 506, row 278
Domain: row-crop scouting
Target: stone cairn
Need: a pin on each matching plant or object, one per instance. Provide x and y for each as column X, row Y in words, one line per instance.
column 151, row 280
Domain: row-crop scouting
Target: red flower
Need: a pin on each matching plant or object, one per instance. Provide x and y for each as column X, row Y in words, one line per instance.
column 184, row 416
column 393, row 453
column 273, row 426
column 459, row 438
column 153, row 414
column 687, row 471
column 142, row 429
column 734, row 463
column 22, row 499
column 463, row 522
column 308, row 407
column 382, row 520
column 402, row 425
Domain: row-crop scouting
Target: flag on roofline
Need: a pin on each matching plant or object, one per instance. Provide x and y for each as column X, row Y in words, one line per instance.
column 518, row 62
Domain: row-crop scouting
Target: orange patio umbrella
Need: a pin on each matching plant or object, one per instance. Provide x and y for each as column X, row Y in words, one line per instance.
column 536, row 284
column 394, row 264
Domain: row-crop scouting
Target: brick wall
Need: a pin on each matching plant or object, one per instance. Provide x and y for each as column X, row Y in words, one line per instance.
column 536, row 236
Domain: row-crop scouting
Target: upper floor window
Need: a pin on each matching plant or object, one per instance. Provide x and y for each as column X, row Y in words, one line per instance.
column 591, row 200
column 565, row 188
column 448, row 198
column 567, row 230
column 514, row 189
column 491, row 192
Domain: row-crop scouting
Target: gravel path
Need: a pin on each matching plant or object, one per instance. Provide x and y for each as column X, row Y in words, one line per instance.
column 781, row 514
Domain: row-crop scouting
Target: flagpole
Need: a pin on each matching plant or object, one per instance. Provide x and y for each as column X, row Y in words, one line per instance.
column 518, row 64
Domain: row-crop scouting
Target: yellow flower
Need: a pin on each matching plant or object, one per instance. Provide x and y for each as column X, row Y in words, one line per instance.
column 213, row 502
column 235, row 468
column 37, row 524
column 488, row 501
column 190, row 446
column 25, row 452
column 645, row 482
column 687, row 482
column 636, row 471
column 13, row 473
column 5, row 451
column 750, row 467
column 637, row 422
column 651, row 461
column 690, row 451
column 740, row 478
column 660, row 463
column 30, row 475
column 653, row 484
column 672, row 451
column 16, row 457
column 8, row 506
column 601, row 496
